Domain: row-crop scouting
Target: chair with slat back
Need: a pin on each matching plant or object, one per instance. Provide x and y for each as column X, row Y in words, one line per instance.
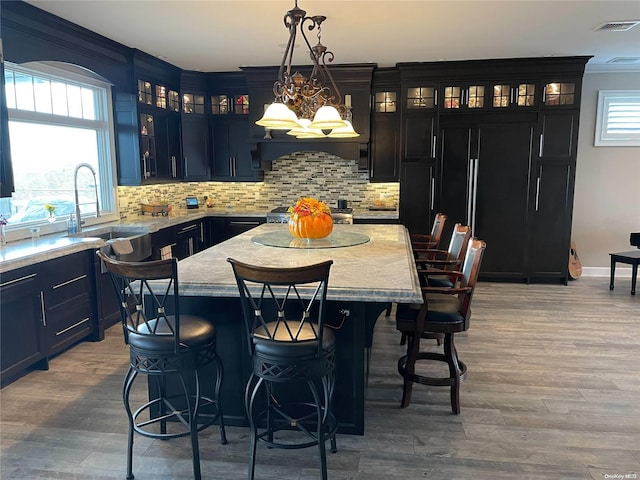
column 432, row 240
column 435, row 264
column 292, row 351
column 165, row 345
column 446, row 310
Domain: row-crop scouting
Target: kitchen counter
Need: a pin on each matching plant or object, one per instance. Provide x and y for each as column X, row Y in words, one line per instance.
column 22, row 253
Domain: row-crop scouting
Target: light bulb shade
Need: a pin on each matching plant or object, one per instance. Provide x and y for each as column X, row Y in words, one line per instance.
column 326, row 118
column 278, row 117
column 303, row 130
column 344, row 132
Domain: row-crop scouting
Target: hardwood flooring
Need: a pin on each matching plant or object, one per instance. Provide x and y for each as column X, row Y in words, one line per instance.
column 553, row 392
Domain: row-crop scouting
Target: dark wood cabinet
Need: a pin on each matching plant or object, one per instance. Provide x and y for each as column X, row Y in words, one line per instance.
column 417, row 196
column 196, row 154
column 505, row 138
column 384, row 164
column 69, row 297
column 44, row 309
column 21, row 322
column 190, row 237
column 231, row 154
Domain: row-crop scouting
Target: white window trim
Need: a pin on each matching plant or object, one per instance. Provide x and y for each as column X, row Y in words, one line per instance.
column 603, row 138
column 69, row 72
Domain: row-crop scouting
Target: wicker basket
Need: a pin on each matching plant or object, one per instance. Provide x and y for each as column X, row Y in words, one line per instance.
column 155, row 210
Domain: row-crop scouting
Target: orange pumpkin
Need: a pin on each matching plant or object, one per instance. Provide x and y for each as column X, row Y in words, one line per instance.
column 310, row 226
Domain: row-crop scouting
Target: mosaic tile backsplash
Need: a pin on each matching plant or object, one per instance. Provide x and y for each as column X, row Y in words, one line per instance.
column 315, row 174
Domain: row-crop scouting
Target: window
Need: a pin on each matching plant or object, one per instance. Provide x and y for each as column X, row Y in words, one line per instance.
column 618, row 118
column 59, row 118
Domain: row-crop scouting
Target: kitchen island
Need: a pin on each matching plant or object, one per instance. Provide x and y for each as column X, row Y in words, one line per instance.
column 363, row 279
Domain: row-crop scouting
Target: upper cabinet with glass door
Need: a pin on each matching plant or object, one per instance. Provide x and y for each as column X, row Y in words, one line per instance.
column 513, row 95
column 561, row 94
column 230, row 105
column 458, row 97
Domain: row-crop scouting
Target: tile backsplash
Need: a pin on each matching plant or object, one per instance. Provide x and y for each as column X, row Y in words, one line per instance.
column 315, row 174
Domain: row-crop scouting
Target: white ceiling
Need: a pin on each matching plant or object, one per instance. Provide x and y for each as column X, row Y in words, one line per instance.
column 218, row 35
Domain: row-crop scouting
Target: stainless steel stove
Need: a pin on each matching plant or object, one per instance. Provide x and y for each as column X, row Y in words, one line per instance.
column 339, row 215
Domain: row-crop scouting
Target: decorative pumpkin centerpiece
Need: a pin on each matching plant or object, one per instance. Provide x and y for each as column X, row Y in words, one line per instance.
column 310, row 218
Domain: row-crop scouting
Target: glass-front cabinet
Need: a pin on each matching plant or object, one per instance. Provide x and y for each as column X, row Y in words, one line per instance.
column 557, row 94
column 514, row 95
column 470, row 96
column 148, row 146
column 385, row 102
column 193, row 103
column 419, row 120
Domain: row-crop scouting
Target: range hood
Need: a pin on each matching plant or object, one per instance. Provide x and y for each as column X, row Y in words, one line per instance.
column 352, row 79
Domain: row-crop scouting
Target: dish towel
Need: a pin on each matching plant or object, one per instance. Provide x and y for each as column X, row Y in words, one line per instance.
column 165, row 252
column 121, row 246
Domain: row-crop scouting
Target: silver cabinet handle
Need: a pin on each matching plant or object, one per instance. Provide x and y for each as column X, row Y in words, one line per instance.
column 538, row 188
column 190, row 227
column 475, row 194
column 84, row 320
column 174, row 168
column 233, row 222
column 202, row 232
column 186, row 166
column 26, row 277
column 433, row 188
column 435, row 98
column 433, row 147
column 81, row 277
column 541, row 143
column 469, row 190
column 145, row 171
column 43, row 309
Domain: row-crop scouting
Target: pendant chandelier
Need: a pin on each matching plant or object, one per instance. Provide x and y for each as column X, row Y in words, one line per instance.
column 308, row 107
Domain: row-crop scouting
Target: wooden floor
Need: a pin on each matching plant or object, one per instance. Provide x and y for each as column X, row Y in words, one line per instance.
column 553, row 392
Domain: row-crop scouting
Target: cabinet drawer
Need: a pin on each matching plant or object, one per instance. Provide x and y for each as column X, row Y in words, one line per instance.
column 68, row 322
column 67, row 277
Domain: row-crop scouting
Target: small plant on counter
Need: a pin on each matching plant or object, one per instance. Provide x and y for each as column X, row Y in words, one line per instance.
column 51, row 209
column 310, row 218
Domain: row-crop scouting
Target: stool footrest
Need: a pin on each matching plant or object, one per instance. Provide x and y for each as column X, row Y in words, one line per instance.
column 425, row 380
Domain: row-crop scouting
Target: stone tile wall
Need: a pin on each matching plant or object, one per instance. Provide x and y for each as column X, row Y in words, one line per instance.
column 315, row 174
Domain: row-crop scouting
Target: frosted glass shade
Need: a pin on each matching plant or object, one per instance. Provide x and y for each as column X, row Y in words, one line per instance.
column 327, row 118
column 303, row 130
column 344, row 132
column 278, row 117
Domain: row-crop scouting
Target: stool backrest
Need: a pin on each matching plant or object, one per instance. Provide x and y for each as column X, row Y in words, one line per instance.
column 283, row 304
column 470, row 271
column 147, row 309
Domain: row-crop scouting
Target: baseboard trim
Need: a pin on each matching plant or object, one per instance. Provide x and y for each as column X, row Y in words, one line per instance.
column 621, row 271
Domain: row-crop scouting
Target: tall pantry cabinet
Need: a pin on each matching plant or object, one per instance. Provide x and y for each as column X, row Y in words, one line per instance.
column 502, row 156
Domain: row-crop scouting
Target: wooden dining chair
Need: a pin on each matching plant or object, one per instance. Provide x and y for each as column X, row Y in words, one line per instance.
column 432, row 240
column 446, row 310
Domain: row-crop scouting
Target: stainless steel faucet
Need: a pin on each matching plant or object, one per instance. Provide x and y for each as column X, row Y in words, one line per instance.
column 75, row 188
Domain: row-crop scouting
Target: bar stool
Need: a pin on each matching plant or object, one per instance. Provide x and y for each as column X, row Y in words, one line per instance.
column 293, row 356
column 166, row 347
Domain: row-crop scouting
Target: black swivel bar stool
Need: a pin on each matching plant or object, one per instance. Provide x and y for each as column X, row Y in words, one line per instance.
column 293, row 355
column 165, row 346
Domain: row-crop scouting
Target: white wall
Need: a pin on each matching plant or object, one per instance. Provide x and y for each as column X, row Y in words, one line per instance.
column 607, row 192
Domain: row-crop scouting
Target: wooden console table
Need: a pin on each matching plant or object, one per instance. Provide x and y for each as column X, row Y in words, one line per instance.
column 632, row 258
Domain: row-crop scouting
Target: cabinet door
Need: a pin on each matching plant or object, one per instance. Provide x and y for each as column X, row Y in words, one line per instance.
column 551, row 228
column 221, row 139
column 484, row 183
column 384, row 148
column 195, row 148
column 21, row 322
column 239, row 136
column 188, row 239
column 500, row 213
column 419, row 138
column 417, row 196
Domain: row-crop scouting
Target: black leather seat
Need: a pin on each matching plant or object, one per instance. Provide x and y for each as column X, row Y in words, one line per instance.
column 166, row 347
column 293, row 355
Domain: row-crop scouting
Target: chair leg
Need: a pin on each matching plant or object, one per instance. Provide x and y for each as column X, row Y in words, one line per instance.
column 128, row 383
column 321, row 416
column 454, row 371
column 193, row 422
column 413, row 349
column 249, row 400
column 219, row 373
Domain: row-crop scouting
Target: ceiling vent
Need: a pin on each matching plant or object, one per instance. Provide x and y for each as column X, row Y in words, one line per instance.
column 621, row 26
column 625, row 60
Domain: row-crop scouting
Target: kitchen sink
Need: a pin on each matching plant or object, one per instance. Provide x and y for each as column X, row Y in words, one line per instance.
column 139, row 238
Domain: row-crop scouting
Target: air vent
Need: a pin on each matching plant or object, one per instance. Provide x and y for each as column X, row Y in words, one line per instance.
column 621, row 26
column 625, row 60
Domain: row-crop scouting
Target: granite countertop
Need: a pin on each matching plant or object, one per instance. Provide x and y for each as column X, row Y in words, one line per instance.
column 28, row 252
column 381, row 270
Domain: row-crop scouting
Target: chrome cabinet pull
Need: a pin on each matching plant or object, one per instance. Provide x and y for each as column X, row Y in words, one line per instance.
column 84, row 320
column 541, row 143
column 469, row 190
column 190, row 227
column 81, row 277
column 43, row 309
column 202, row 232
column 475, row 194
column 433, row 189
column 538, row 188
column 26, row 277
column 433, row 147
